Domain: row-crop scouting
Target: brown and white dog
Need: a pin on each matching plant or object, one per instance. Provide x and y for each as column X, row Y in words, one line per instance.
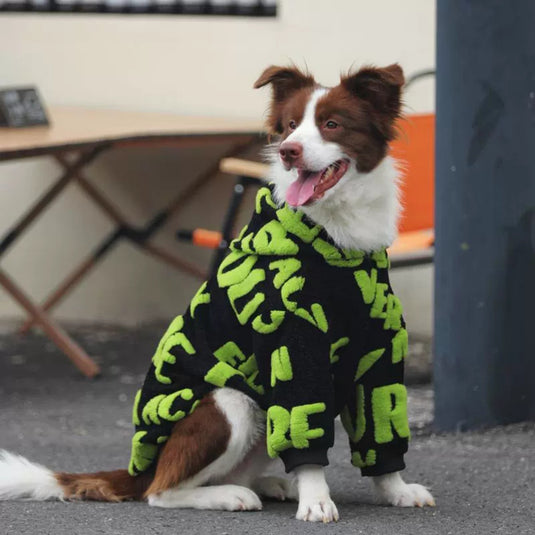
column 331, row 160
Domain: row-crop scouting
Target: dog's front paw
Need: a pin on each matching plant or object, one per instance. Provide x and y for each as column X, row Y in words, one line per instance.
column 392, row 490
column 410, row 495
column 276, row 488
column 318, row 510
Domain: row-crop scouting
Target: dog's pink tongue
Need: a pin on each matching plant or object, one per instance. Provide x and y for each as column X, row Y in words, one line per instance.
column 302, row 189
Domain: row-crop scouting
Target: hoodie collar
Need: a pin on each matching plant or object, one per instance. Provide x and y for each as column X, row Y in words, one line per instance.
column 282, row 231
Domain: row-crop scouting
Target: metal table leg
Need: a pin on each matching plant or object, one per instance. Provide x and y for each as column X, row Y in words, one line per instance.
column 78, row 356
column 70, row 174
column 84, row 363
column 139, row 236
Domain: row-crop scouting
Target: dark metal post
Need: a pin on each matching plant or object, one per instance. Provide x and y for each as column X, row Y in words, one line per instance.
column 485, row 213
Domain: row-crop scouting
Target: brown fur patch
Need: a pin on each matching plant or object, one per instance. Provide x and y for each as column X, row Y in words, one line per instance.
column 380, row 87
column 355, row 131
column 113, row 486
column 285, row 82
column 293, row 109
column 196, row 441
column 365, row 106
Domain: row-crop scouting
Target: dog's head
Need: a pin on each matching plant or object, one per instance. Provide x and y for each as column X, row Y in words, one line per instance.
column 326, row 134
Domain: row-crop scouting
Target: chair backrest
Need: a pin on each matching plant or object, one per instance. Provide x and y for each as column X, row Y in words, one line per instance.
column 415, row 151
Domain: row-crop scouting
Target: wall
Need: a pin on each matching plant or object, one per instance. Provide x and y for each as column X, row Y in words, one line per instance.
column 184, row 65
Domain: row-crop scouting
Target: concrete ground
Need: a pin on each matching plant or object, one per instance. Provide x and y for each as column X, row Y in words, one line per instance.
column 484, row 482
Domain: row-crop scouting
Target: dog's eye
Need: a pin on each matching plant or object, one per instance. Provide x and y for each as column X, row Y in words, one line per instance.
column 292, row 125
column 331, row 125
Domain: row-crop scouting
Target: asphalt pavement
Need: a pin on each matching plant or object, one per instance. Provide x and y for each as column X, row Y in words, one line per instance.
column 483, row 482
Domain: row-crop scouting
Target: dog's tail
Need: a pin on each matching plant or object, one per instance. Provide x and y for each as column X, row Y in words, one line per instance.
column 21, row 478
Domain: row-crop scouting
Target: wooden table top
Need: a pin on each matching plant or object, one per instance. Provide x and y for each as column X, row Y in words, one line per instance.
column 75, row 127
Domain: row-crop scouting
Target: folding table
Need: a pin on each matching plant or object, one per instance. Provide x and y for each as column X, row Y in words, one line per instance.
column 85, row 134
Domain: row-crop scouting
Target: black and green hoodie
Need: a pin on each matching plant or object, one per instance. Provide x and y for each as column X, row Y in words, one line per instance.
column 306, row 329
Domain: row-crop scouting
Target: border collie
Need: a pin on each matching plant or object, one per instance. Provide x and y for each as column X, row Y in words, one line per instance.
column 299, row 325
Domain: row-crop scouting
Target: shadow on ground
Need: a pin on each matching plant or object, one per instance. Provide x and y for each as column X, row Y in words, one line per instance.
column 483, row 481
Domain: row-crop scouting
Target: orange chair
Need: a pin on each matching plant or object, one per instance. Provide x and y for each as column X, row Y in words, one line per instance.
column 414, row 151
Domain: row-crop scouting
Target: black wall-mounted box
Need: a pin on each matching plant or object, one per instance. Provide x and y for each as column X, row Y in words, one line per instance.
column 21, row 107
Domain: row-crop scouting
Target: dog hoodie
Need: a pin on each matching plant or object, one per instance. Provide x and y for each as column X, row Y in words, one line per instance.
column 306, row 329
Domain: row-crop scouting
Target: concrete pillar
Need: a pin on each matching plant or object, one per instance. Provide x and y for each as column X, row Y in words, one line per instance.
column 484, row 364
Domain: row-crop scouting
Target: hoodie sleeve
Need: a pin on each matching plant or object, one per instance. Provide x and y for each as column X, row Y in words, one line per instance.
column 294, row 363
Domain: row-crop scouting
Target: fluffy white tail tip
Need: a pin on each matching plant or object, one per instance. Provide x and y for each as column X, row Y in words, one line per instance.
column 20, row 478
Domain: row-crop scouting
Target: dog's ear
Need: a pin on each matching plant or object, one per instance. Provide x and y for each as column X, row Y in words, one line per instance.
column 284, row 82
column 381, row 87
